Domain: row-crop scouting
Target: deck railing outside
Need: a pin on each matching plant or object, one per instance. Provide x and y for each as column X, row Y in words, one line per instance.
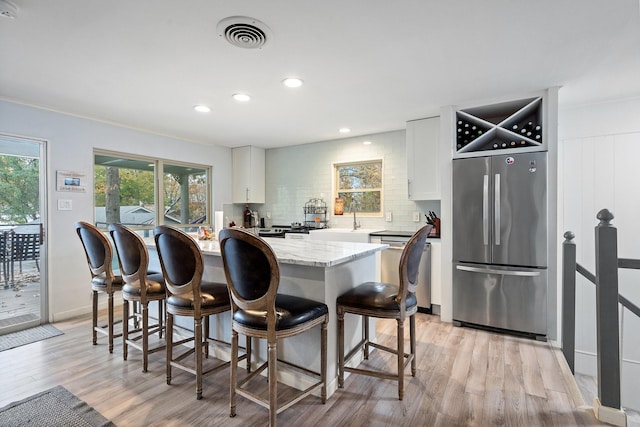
column 607, row 305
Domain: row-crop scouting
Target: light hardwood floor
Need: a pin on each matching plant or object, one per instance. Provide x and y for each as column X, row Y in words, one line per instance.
column 465, row 377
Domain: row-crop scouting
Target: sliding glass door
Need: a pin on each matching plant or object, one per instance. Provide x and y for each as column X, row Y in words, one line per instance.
column 23, row 298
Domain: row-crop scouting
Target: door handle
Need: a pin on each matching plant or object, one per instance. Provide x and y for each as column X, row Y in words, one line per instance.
column 501, row 272
column 485, row 210
column 496, row 218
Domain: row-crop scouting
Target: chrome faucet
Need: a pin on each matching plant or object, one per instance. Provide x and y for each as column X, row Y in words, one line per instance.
column 353, row 208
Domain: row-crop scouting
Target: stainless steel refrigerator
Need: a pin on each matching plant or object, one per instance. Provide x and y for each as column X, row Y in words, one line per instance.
column 500, row 242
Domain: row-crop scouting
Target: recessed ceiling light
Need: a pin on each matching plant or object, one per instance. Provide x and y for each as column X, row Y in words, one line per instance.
column 202, row 108
column 292, row 82
column 367, row 142
column 241, row 97
column 344, row 130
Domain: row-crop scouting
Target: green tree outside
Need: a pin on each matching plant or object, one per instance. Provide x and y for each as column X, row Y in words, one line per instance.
column 19, row 189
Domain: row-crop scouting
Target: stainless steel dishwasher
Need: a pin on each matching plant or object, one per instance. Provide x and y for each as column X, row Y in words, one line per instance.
column 391, row 274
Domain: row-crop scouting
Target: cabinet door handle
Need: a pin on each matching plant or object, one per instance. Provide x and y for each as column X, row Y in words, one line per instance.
column 485, row 210
column 496, row 224
column 409, row 188
column 496, row 271
column 247, row 194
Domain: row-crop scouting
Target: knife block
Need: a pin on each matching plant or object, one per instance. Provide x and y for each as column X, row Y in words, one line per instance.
column 435, row 232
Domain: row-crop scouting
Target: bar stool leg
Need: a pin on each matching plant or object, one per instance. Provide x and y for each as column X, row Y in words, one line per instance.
column 145, row 336
column 233, row 367
column 125, row 329
column 340, row 348
column 400, row 337
column 197, row 329
column 323, row 361
column 273, row 382
column 412, row 338
column 169, row 342
column 95, row 317
column 366, row 337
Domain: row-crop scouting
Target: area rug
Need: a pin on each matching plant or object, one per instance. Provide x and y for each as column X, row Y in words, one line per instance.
column 16, row 339
column 52, row 408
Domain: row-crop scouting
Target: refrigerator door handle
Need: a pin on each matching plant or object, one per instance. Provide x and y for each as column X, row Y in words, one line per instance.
column 496, row 217
column 485, row 210
column 495, row 271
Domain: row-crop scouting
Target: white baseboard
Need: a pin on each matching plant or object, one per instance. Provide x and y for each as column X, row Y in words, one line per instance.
column 616, row 417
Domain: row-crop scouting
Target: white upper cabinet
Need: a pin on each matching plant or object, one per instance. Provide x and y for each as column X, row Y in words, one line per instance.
column 423, row 159
column 248, row 175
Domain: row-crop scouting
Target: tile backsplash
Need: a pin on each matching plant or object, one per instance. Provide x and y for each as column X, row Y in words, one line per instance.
column 298, row 173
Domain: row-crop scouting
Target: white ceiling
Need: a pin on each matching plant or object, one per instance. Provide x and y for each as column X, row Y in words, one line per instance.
column 370, row 65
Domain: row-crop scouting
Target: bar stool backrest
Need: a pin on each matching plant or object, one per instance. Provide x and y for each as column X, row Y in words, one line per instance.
column 97, row 248
column 252, row 272
column 181, row 261
column 410, row 262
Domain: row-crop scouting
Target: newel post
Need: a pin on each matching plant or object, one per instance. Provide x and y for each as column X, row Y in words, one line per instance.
column 569, row 299
column 608, row 341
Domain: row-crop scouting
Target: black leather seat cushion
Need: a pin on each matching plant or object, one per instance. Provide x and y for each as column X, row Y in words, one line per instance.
column 155, row 276
column 99, row 283
column 376, row 296
column 291, row 311
column 212, row 295
column 154, row 280
column 152, row 288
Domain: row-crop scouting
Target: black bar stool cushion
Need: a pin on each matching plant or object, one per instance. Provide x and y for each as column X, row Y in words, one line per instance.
column 153, row 288
column 211, row 295
column 375, row 296
column 99, row 283
column 291, row 311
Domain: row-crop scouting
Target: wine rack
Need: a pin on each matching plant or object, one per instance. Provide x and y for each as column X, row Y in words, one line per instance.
column 501, row 128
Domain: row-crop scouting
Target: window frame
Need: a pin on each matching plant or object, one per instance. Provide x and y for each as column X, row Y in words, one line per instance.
column 337, row 190
column 158, row 186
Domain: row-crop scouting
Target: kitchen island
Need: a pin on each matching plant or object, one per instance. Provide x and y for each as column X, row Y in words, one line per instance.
column 317, row 270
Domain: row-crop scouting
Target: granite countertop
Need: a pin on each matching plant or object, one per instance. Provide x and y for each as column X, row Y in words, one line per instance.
column 303, row 252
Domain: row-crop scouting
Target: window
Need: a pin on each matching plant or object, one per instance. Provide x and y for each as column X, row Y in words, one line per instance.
column 125, row 192
column 360, row 182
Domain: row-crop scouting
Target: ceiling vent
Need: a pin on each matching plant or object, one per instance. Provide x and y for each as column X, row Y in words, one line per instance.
column 244, row 32
column 8, row 9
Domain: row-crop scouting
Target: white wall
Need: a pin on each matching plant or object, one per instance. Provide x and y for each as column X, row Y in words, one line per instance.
column 299, row 173
column 71, row 141
column 599, row 159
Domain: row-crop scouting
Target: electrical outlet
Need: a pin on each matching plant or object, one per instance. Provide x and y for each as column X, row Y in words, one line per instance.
column 389, row 216
column 268, row 215
column 416, row 217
